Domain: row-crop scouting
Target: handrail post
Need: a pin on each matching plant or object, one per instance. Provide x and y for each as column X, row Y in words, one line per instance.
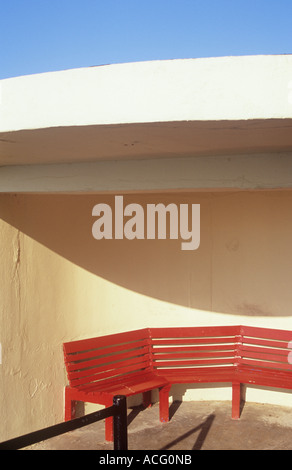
column 120, row 423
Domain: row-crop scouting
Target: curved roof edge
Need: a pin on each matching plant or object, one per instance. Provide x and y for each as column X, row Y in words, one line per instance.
column 208, row 89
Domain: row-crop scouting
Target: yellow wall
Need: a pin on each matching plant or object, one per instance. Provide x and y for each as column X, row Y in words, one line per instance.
column 59, row 284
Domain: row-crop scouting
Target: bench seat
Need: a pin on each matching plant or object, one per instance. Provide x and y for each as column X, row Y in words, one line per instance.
column 207, row 375
column 127, row 385
column 264, row 377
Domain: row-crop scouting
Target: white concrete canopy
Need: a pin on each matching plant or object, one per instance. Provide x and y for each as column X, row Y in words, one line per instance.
column 175, row 109
column 75, row 144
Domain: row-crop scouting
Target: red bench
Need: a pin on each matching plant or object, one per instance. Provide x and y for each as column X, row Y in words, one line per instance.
column 100, row 368
column 142, row 360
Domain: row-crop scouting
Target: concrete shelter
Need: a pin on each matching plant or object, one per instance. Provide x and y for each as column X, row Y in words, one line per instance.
column 215, row 132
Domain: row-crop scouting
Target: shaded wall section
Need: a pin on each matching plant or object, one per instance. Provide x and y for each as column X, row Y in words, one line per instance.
column 58, row 283
column 243, row 264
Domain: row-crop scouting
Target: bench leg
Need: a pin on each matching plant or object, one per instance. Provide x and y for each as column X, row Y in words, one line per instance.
column 164, row 404
column 236, row 400
column 109, row 435
column 147, row 399
column 70, row 405
column 109, row 423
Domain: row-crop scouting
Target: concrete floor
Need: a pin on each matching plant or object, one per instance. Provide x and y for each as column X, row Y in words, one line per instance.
column 193, row 426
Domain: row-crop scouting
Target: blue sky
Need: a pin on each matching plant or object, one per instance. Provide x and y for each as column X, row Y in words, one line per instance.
column 47, row 35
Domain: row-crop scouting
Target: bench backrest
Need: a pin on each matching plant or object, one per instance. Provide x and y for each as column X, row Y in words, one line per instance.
column 99, row 361
column 107, row 359
column 178, row 348
column 265, row 347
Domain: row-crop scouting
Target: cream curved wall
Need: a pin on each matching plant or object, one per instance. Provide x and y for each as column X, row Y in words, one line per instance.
column 59, row 284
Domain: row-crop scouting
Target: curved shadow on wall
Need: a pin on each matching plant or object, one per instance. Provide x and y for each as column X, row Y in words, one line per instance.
column 243, row 264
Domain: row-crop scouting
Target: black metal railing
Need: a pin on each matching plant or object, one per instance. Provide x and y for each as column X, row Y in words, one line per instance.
column 118, row 410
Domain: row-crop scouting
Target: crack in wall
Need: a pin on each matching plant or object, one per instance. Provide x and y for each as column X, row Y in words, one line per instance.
column 16, row 274
column 16, row 258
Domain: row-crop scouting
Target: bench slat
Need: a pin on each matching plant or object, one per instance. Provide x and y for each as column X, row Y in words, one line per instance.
column 217, row 340
column 114, row 360
column 128, row 366
column 194, row 362
column 266, row 333
column 104, row 350
column 255, row 351
column 114, row 367
column 108, row 340
column 194, row 355
column 200, row 375
column 267, row 377
column 263, row 364
column 129, row 388
column 118, row 381
column 199, row 331
column 229, row 347
column 265, row 342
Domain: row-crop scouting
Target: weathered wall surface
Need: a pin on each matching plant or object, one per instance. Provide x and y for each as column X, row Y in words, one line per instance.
column 58, row 284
